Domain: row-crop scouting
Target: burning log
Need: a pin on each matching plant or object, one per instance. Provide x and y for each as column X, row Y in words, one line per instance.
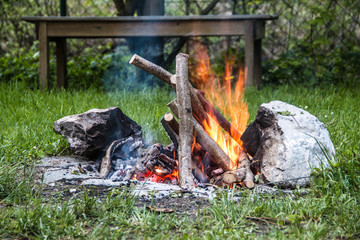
column 215, row 151
column 185, row 127
column 198, row 102
column 199, row 174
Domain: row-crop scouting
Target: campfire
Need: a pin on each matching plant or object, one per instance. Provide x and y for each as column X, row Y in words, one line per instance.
column 206, row 148
column 282, row 146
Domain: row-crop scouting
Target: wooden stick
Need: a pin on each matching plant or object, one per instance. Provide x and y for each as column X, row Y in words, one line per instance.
column 215, row 151
column 249, row 179
column 186, row 129
column 171, row 127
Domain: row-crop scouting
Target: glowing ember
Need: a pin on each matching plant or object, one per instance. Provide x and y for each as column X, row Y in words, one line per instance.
column 170, row 178
column 221, row 93
column 156, row 176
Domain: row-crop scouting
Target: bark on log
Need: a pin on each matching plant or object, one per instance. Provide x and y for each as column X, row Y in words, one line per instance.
column 186, row 129
column 217, row 154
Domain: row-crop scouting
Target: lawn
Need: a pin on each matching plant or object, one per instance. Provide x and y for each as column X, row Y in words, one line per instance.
column 329, row 210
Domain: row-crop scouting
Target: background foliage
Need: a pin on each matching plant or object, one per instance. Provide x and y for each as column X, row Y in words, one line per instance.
column 312, row 42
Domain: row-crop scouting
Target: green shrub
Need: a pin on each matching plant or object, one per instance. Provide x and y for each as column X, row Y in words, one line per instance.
column 23, row 68
column 298, row 66
column 83, row 71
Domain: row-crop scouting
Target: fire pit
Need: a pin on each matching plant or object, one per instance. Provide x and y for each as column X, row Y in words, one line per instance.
column 206, row 150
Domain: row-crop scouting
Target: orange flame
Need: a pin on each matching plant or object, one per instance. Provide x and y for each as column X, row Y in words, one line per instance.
column 227, row 98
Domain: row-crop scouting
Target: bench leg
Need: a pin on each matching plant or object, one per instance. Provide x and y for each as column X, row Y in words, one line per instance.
column 257, row 63
column 252, row 56
column 61, row 62
column 44, row 55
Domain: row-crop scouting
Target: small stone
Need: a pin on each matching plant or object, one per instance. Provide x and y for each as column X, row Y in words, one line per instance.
column 73, row 190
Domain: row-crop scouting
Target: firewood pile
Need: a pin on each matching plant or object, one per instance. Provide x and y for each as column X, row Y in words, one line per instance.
column 193, row 158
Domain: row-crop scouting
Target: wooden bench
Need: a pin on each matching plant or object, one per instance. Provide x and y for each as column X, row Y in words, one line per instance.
column 59, row 28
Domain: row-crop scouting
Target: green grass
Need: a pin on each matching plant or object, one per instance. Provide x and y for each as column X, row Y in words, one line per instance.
column 330, row 210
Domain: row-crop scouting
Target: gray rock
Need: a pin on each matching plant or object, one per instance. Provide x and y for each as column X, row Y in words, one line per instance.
column 288, row 143
column 90, row 133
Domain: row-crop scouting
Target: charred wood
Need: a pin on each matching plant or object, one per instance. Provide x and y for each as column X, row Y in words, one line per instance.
column 139, row 170
column 199, row 174
column 157, row 162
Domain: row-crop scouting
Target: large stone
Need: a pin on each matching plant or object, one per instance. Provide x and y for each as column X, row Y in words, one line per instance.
column 288, row 143
column 90, row 133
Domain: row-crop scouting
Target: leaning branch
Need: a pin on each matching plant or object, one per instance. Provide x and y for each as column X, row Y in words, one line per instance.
column 185, row 126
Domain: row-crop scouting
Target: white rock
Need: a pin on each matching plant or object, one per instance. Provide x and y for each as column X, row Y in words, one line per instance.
column 288, row 142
